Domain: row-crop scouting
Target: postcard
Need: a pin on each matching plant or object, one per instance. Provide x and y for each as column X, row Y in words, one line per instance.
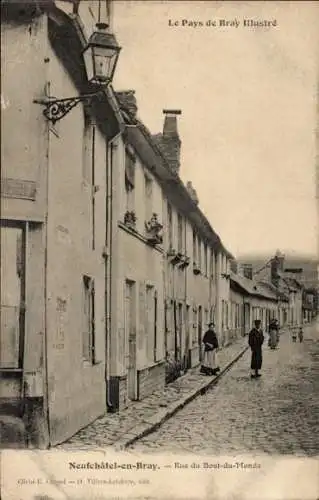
column 159, row 250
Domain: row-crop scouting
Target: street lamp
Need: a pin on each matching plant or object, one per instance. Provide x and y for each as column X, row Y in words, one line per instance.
column 100, row 58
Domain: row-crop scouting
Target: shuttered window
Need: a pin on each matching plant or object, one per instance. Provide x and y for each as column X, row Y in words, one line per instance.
column 88, row 329
column 130, row 161
column 12, row 296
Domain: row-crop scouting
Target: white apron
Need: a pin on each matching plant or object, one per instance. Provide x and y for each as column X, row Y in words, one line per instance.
column 210, row 359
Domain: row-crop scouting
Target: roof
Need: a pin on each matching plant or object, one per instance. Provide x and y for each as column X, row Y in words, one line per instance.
column 292, row 283
column 254, row 288
column 142, row 140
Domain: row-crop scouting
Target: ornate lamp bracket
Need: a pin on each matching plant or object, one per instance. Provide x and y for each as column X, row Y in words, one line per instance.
column 55, row 109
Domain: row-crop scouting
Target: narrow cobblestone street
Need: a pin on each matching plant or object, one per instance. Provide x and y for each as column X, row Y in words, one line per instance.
column 274, row 414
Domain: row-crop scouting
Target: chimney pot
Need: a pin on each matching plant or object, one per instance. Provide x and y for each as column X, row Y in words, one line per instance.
column 128, row 100
column 172, row 112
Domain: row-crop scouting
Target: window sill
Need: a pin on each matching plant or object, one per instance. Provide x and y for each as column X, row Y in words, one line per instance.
column 139, row 236
column 11, row 369
column 88, row 364
column 151, row 365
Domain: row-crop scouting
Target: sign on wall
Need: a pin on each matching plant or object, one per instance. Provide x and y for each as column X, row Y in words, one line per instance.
column 18, row 188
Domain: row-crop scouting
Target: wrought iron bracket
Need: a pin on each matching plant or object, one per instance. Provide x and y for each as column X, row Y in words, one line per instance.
column 55, row 109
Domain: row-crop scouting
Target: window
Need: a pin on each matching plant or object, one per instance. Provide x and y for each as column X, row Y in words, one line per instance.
column 129, row 180
column 88, row 165
column 194, row 247
column 87, row 148
column 223, row 314
column 148, row 197
column 212, row 264
column 205, row 260
column 155, row 327
column 199, row 253
column 195, row 326
column 180, row 244
column 170, row 225
column 88, row 331
column 150, row 322
column 12, row 296
column 226, row 318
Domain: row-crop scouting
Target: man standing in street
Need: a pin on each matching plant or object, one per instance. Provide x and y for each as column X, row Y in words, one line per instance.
column 255, row 341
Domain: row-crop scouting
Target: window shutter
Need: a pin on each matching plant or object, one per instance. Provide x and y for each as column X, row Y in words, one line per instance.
column 142, row 316
column 155, row 327
column 129, row 170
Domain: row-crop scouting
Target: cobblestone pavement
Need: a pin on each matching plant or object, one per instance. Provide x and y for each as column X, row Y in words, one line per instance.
column 277, row 413
column 112, row 429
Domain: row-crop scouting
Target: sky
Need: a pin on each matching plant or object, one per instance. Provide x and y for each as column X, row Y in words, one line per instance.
column 249, row 110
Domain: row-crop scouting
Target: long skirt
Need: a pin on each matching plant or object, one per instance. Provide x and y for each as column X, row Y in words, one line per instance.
column 256, row 359
column 273, row 339
column 210, row 360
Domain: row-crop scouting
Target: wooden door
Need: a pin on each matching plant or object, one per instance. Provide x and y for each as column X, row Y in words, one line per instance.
column 130, row 336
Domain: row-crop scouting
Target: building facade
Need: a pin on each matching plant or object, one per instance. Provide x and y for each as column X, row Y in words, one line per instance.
column 251, row 300
column 53, row 224
column 169, row 265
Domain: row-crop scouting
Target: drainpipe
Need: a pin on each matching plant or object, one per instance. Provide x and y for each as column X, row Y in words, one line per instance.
column 185, row 301
column 45, row 337
column 46, row 242
column 108, row 267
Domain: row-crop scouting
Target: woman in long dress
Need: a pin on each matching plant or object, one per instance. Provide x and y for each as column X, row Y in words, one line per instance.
column 273, row 335
column 210, row 341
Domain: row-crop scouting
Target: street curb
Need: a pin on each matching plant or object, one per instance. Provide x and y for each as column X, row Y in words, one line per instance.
column 151, row 424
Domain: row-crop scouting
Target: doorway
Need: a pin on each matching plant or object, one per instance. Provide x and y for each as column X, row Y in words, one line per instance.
column 199, row 332
column 130, row 337
column 246, row 318
column 180, row 331
column 187, row 340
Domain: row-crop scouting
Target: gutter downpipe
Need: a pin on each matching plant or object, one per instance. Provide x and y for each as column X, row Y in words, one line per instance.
column 187, row 330
column 46, row 267
column 109, row 236
column 110, row 227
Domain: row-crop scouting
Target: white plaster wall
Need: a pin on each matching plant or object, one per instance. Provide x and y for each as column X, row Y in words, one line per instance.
column 23, row 130
column 76, row 388
column 137, row 262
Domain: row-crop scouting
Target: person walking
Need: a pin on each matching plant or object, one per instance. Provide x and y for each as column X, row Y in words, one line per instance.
column 210, row 341
column 278, row 331
column 300, row 334
column 273, row 334
column 255, row 341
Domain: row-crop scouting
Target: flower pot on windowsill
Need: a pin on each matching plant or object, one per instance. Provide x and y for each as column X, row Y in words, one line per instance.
column 176, row 258
column 171, row 253
column 226, row 276
column 153, row 230
column 130, row 220
column 184, row 262
column 196, row 269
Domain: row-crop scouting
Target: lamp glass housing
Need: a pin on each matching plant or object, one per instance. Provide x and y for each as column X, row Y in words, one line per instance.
column 100, row 58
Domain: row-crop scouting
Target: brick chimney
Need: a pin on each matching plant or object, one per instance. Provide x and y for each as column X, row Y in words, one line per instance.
column 277, row 266
column 170, row 139
column 192, row 192
column 127, row 100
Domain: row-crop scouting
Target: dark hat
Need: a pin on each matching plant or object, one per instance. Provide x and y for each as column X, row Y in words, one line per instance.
column 211, row 324
column 257, row 321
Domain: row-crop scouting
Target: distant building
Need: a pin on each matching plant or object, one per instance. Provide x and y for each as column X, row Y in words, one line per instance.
column 286, row 281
